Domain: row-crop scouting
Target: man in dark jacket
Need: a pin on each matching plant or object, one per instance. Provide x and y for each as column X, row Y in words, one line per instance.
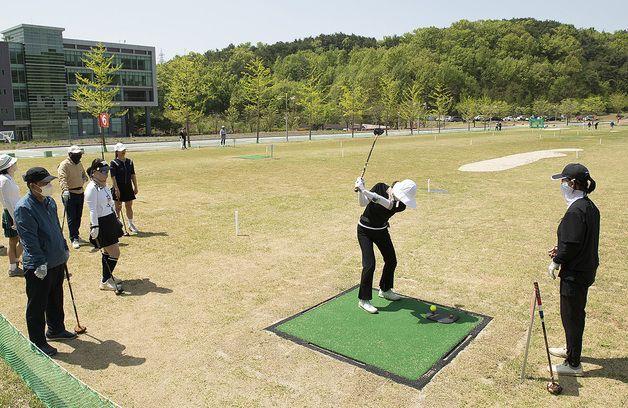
column 45, row 254
column 576, row 255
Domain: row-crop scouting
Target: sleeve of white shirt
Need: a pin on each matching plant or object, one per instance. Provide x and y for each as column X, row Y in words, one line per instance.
column 91, row 198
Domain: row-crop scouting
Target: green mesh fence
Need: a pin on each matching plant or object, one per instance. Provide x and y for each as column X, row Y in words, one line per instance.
column 54, row 386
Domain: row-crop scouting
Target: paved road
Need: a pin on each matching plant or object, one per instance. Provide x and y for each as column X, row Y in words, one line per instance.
column 150, row 146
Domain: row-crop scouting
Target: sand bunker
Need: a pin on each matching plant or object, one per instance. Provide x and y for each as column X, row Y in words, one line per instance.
column 514, row 160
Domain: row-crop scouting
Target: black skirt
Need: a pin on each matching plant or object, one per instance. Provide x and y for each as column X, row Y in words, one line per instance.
column 126, row 192
column 109, row 230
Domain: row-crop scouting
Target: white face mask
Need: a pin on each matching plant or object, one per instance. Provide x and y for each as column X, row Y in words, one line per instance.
column 46, row 190
column 570, row 194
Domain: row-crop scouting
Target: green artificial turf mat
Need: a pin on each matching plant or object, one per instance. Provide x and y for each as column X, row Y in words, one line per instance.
column 398, row 342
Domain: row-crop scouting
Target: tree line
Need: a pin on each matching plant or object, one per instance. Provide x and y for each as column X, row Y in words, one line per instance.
column 486, row 68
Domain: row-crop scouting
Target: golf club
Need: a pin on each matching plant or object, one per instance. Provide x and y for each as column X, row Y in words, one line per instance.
column 126, row 233
column 552, row 387
column 377, row 132
column 119, row 289
column 78, row 329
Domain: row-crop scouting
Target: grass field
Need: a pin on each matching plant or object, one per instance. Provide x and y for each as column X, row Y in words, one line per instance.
column 192, row 331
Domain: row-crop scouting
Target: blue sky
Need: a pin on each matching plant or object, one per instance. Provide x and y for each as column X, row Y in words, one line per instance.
column 195, row 25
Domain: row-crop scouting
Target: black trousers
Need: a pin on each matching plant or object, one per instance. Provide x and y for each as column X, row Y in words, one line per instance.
column 223, row 139
column 381, row 238
column 74, row 212
column 45, row 304
column 573, row 299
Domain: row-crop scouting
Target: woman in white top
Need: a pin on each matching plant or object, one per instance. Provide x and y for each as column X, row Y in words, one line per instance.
column 10, row 195
column 105, row 228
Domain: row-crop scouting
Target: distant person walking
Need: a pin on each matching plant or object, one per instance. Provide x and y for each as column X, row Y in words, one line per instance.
column 223, row 136
column 45, row 254
column 10, row 195
column 595, row 125
column 72, row 177
column 124, row 184
column 182, row 136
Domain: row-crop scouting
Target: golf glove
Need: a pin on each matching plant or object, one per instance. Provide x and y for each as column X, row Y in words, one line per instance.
column 359, row 183
column 41, row 271
column 551, row 269
column 65, row 196
column 94, row 232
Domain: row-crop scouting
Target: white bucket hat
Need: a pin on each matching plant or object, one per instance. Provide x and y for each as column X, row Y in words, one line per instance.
column 74, row 149
column 119, row 147
column 405, row 191
column 6, row 161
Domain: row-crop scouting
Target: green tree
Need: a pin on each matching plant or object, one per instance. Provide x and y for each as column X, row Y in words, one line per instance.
column 542, row 107
column 618, row 102
column 311, row 100
column 468, row 107
column 353, row 103
column 96, row 93
column 256, row 84
column 569, row 107
column 593, row 105
column 232, row 115
column 413, row 106
column 389, row 99
column 187, row 92
column 441, row 102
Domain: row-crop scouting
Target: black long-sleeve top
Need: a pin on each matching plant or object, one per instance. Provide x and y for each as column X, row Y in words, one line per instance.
column 578, row 241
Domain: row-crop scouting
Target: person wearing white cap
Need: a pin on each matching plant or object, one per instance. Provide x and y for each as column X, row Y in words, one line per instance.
column 72, row 177
column 381, row 202
column 9, row 196
column 124, row 184
column 223, row 136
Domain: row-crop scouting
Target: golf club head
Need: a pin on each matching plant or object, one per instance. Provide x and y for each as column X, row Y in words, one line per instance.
column 80, row 329
column 378, row 131
column 554, row 388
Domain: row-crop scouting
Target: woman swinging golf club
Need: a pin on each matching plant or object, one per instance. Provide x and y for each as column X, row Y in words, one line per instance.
column 105, row 227
column 382, row 202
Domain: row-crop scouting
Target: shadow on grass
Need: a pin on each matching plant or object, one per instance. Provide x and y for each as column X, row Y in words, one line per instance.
column 147, row 234
column 611, row 368
column 419, row 309
column 98, row 356
column 140, row 287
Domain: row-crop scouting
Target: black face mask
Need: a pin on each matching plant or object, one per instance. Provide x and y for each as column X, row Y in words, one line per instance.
column 76, row 158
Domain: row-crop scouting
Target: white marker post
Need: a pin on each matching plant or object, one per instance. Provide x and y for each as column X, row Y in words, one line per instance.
column 237, row 226
column 577, row 154
column 428, row 186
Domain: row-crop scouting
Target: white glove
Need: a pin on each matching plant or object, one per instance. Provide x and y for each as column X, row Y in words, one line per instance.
column 65, row 196
column 94, row 232
column 551, row 268
column 359, row 183
column 41, row 271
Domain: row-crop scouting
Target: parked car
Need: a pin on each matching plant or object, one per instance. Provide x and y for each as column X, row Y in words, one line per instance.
column 456, row 119
column 508, row 119
column 589, row 118
column 521, row 118
column 479, row 118
column 551, row 118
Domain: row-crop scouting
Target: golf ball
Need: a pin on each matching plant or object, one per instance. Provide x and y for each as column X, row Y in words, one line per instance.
column 432, row 308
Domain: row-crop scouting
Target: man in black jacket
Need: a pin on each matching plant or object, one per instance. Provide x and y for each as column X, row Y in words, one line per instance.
column 576, row 255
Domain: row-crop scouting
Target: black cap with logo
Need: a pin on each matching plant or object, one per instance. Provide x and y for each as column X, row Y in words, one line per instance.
column 36, row 174
column 573, row 171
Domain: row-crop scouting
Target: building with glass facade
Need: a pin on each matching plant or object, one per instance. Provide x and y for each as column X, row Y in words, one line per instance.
column 38, row 70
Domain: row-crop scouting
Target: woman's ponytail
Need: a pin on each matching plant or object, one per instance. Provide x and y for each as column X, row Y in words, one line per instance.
column 591, row 184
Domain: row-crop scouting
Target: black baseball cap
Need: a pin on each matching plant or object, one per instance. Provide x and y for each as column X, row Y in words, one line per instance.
column 36, row 174
column 573, row 171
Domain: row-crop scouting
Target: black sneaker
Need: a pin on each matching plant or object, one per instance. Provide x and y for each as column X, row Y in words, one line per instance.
column 64, row 335
column 48, row 350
